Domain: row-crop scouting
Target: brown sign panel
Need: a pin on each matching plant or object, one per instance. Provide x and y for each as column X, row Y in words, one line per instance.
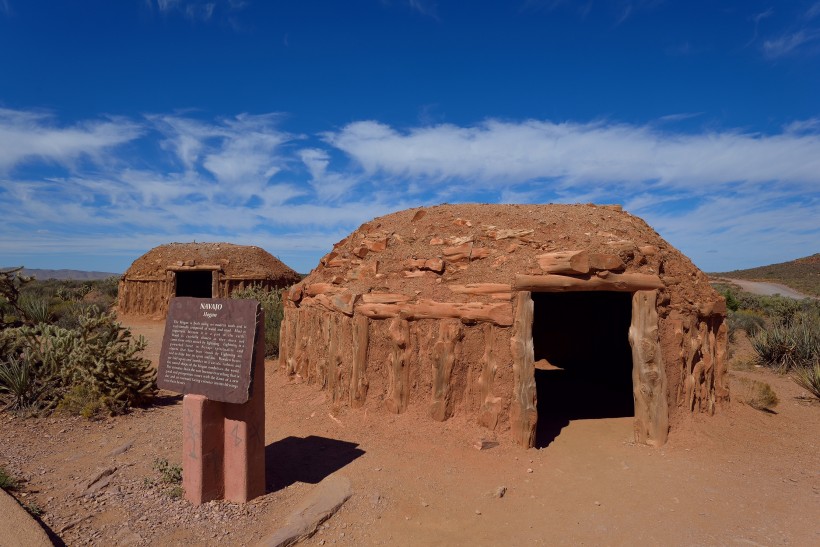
column 208, row 348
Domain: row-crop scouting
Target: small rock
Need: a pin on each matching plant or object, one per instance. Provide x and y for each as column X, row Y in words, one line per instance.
column 529, row 470
column 500, row 491
column 477, row 512
column 425, row 504
column 598, row 503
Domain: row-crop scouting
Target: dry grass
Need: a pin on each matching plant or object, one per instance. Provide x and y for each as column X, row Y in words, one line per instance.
column 756, row 394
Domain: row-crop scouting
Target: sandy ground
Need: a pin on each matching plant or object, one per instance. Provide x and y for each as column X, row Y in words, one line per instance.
column 767, row 289
column 743, row 477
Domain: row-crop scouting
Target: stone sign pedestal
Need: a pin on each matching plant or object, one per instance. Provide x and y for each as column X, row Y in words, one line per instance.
column 214, row 353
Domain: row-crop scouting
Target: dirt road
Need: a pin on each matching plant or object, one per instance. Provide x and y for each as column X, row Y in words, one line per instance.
column 767, row 289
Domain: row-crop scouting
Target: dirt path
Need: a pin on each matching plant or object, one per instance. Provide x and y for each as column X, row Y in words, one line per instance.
column 767, row 289
column 742, row 477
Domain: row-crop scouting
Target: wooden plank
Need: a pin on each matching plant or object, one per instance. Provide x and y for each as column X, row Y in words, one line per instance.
column 480, row 288
column 603, row 261
column 315, row 289
column 385, row 298
column 648, row 373
column 627, row 282
column 524, row 412
column 497, row 313
column 564, row 262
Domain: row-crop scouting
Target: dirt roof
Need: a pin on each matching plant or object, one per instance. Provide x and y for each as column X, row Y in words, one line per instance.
column 235, row 260
column 492, row 243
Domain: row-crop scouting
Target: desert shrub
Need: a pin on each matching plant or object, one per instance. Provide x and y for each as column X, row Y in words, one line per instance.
column 91, row 368
column 748, row 321
column 789, row 344
column 732, row 303
column 808, row 377
column 758, row 395
column 271, row 302
column 108, row 286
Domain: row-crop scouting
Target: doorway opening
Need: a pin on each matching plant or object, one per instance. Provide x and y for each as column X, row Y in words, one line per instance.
column 583, row 358
column 196, row 283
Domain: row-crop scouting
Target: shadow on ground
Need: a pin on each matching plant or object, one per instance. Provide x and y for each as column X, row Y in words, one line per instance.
column 306, row 459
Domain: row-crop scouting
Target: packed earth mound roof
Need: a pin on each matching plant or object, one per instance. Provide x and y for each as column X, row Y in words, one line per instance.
column 236, row 261
column 426, row 250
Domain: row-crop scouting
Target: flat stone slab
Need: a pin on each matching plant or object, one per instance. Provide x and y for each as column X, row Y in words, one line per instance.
column 318, row 506
column 19, row 528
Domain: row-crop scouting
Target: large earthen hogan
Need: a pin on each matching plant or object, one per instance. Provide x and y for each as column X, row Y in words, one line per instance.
column 518, row 316
column 203, row 270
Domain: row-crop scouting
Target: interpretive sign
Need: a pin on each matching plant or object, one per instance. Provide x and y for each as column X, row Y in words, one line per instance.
column 208, row 348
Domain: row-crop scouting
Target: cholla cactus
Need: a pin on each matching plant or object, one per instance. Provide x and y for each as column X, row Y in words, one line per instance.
column 98, row 360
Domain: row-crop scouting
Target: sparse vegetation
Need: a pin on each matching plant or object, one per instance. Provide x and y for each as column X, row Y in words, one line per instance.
column 7, row 481
column 170, row 476
column 758, row 395
column 273, row 307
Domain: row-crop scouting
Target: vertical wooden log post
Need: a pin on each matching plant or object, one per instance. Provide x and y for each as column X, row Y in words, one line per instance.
column 490, row 405
column 398, row 391
column 444, row 357
column 648, row 375
column 721, row 388
column 524, row 413
column 358, row 374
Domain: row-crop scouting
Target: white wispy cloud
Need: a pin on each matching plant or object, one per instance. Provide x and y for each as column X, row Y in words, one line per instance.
column 26, row 135
column 498, row 152
column 125, row 185
column 788, row 43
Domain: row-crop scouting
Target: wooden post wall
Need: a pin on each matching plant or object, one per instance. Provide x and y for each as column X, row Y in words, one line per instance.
column 444, row 357
column 490, row 404
column 648, row 375
column 358, row 374
column 524, row 413
column 398, row 390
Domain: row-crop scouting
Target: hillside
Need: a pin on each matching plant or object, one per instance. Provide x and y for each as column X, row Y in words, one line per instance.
column 76, row 275
column 802, row 274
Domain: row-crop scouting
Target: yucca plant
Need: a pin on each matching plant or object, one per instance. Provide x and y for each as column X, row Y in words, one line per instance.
column 37, row 309
column 18, row 389
column 789, row 345
column 808, row 377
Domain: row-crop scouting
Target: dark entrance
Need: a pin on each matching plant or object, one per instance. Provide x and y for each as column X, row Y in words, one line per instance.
column 196, row 283
column 583, row 358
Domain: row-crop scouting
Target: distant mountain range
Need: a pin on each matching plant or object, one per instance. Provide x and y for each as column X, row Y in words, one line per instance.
column 802, row 274
column 75, row 275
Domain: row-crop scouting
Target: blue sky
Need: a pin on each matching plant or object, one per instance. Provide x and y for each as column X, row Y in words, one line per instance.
column 128, row 124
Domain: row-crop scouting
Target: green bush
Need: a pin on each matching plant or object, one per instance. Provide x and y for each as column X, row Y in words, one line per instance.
column 748, row 321
column 789, row 344
column 273, row 306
